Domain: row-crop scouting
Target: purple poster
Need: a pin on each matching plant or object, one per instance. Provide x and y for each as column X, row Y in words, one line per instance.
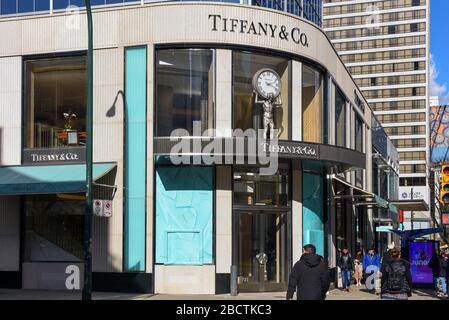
column 419, row 255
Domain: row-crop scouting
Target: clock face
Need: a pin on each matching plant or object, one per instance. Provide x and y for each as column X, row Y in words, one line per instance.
column 267, row 83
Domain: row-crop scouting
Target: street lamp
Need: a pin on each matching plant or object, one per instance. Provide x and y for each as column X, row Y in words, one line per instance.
column 87, row 284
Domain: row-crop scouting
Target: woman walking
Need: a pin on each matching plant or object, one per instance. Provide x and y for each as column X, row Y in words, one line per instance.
column 358, row 269
column 396, row 282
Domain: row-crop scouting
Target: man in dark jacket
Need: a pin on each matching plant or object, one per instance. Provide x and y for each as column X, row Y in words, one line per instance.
column 309, row 276
column 346, row 265
column 386, row 258
column 434, row 264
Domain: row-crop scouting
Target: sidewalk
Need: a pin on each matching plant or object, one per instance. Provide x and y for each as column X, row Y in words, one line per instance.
column 358, row 293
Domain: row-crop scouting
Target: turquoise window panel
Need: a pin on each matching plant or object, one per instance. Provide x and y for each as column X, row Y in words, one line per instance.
column 312, row 211
column 184, row 247
column 184, row 215
column 135, row 158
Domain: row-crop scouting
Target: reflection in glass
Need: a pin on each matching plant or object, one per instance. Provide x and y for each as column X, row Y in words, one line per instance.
column 250, row 188
column 358, row 133
column 341, row 206
column 184, row 90
column 312, row 105
column 246, row 113
column 56, row 101
column 340, row 120
column 53, row 228
column 262, row 251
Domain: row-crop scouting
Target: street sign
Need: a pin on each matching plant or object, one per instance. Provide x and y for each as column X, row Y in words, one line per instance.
column 107, row 208
column 102, row 208
column 98, row 207
column 384, row 228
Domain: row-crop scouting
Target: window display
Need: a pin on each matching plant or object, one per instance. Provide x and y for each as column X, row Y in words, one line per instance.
column 55, row 97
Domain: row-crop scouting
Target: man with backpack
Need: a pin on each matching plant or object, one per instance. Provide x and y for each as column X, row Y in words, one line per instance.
column 396, row 282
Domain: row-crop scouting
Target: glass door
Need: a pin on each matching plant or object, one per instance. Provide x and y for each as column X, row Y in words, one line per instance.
column 262, row 251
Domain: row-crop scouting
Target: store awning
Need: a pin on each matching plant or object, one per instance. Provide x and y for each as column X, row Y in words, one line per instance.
column 411, row 205
column 364, row 192
column 365, row 198
column 17, row 180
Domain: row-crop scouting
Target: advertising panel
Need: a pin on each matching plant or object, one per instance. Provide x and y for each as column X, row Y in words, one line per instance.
column 439, row 125
column 420, row 254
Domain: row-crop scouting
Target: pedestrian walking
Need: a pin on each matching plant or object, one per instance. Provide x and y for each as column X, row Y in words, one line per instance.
column 346, row 265
column 386, row 257
column 441, row 278
column 358, row 269
column 371, row 265
column 396, row 282
column 309, row 276
column 434, row 264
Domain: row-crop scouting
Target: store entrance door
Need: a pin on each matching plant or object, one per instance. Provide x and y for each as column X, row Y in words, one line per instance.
column 262, row 250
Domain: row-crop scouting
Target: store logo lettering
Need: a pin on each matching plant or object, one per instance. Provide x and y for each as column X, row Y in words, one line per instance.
column 258, row 29
column 306, row 150
column 54, row 157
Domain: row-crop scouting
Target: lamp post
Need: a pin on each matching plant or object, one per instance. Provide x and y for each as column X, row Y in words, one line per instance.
column 87, row 285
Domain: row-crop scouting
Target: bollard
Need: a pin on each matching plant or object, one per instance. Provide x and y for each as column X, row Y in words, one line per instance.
column 234, row 280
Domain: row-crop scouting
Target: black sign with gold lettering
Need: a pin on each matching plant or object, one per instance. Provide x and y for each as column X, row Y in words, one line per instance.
column 54, row 155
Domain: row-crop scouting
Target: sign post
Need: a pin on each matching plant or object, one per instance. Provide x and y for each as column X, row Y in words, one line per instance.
column 87, row 285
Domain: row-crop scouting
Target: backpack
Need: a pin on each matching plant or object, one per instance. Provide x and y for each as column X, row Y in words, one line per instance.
column 396, row 277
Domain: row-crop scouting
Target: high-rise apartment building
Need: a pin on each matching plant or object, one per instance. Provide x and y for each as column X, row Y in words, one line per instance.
column 385, row 45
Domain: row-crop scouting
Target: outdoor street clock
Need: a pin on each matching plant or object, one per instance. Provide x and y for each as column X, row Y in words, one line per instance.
column 267, row 88
column 267, row 83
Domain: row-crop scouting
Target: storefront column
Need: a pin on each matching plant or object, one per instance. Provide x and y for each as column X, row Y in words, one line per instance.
column 332, row 237
column 10, row 117
column 296, row 211
column 135, row 158
column 331, row 103
column 296, row 101
column 150, row 162
column 223, row 204
column 369, row 187
column 223, row 227
column 296, row 104
column 107, row 243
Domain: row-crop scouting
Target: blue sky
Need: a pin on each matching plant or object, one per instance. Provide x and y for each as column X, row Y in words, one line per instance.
column 439, row 49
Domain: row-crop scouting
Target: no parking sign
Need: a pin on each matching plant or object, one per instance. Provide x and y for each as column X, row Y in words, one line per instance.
column 102, row 208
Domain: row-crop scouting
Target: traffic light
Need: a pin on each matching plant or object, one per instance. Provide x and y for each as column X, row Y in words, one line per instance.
column 444, row 189
column 401, row 220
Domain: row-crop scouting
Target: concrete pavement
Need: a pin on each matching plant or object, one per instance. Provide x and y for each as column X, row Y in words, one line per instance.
column 358, row 293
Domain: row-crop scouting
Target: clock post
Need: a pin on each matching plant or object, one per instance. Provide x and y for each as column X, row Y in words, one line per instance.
column 267, row 88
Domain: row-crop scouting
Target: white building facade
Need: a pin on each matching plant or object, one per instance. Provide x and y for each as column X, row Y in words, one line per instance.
column 169, row 227
column 385, row 45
